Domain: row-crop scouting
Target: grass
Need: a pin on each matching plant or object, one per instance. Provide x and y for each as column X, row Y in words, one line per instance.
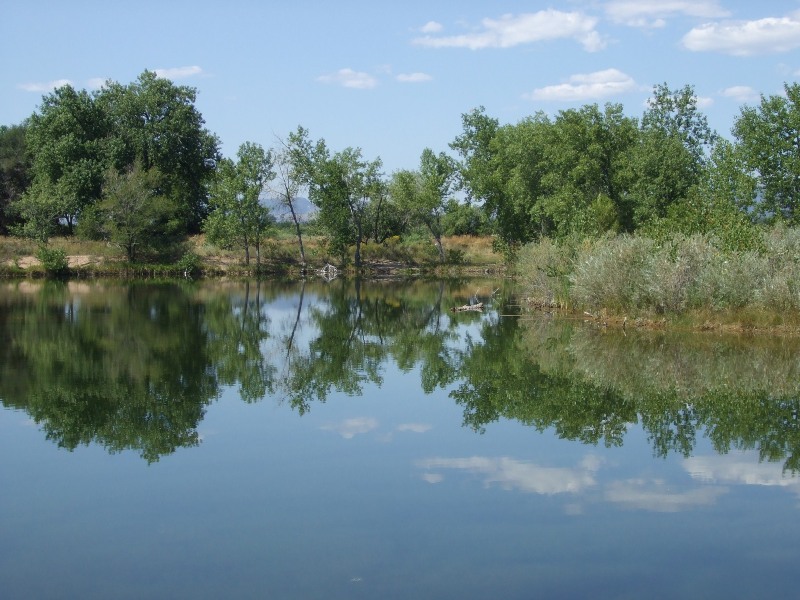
column 687, row 281
column 279, row 255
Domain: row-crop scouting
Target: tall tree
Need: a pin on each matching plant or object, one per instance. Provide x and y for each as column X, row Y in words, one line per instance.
column 15, row 171
column 290, row 180
column 157, row 124
column 769, row 139
column 67, row 140
column 342, row 186
column 585, row 176
column 424, row 194
column 238, row 218
column 501, row 168
column 673, row 147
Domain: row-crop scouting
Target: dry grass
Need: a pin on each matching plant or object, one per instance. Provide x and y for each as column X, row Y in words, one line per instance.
column 278, row 254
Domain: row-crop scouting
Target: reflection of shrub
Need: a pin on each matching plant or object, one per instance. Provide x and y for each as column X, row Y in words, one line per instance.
column 54, row 260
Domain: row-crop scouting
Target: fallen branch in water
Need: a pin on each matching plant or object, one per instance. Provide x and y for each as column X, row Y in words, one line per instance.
column 478, row 307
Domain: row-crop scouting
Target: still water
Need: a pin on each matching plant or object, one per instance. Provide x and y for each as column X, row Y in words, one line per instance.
column 359, row 440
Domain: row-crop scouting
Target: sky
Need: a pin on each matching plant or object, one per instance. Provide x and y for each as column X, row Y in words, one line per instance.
column 394, row 78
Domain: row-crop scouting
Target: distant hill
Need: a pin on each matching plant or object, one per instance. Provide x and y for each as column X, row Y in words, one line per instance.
column 302, row 207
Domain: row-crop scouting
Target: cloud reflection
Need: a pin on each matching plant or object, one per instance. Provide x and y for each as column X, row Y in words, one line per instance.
column 739, row 469
column 512, row 474
column 655, row 495
column 349, row 428
column 414, row 427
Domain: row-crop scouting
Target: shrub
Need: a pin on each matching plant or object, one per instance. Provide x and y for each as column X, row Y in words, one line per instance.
column 54, row 260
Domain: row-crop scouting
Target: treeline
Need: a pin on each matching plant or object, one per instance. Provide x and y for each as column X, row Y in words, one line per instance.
column 134, row 165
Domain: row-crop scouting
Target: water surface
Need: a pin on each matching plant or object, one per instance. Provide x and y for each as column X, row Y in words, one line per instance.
column 359, row 440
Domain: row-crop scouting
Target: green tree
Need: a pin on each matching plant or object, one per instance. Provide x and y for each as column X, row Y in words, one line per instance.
column 290, row 169
column 341, row 186
column 585, row 173
column 15, row 172
column 156, row 124
column 424, row 194
column 67, row 140
column 769, row 139
column 238, row 218
column 671, row 153
column 134, row 215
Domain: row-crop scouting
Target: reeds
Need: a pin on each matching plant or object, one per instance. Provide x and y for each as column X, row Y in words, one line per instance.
column 629, row 275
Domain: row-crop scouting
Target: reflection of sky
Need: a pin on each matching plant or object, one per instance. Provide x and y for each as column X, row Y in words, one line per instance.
column 512, row 474
column 658, row 496
column 740, row 468
column 710, row 479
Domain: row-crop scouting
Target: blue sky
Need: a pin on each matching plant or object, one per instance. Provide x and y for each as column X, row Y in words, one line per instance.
column 395, row 77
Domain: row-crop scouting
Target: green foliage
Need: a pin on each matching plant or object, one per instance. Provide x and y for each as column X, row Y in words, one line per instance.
column 156, row 124
column 768, row 138
column 39, row 211
column 135, row 217
column 424, row 194
column 190, row 263
column 464, row 218
column 15, row 175
column 68, row 140
column 238, row 219
column 342, row 186
column 54, row 260
column 636, row 275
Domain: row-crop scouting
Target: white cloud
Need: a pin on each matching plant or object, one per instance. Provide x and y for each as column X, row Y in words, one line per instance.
column 44, row 87
column 514, row 30
column 350, row 79
column 512, row 474
column 746, row 38
column 742, row 93
column 653, row 13
column 656, row 496
column 431, row 27
column 179, row 72
column 96, row 83
column 413, row 77
column 349, row 428
column 704, row 101
column 585, row 86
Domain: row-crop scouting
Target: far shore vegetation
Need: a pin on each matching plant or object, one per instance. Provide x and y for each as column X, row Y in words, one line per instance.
column 620, row 220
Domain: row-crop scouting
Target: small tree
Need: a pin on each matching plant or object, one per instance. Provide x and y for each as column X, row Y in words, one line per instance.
column 290, row 178
column 424, row 194
column 134, row 216
column 238, row 218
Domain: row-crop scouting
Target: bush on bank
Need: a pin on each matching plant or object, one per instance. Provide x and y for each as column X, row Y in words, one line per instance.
column 636, row 275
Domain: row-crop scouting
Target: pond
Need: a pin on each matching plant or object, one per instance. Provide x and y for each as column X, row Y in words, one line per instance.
column 361, row 440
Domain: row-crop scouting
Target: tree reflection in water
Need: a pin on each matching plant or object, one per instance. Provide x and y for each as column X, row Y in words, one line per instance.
column 134, row 366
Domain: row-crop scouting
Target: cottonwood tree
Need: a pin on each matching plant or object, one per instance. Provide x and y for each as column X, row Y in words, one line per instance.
column 671, row 154
column 15, row 175
column 238, row 218
column 156, row 123
column 67, row 140
column 290, row 179
column 769, row 139
column 424, row 194
column 134, row 215
column 341, row 186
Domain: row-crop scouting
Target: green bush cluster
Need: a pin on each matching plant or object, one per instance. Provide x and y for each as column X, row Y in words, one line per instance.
column 634, row 274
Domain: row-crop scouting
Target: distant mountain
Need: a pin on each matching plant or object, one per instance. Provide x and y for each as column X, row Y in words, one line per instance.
column 303, row 208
